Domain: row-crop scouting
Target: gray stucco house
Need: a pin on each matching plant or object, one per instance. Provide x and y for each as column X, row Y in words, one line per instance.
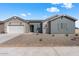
column 57, row 24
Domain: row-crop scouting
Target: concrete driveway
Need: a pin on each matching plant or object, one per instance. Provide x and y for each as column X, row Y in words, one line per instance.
column 5, row 37
column 39, row 51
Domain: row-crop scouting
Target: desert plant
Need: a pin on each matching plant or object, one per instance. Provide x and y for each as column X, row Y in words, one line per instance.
column 40, row 39
column 76, row 34
column 53, row 35
column 66, row 35
column 73, row 39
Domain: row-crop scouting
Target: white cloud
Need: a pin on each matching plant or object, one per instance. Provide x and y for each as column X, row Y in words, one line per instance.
column 67, row 5
column 55, row 3
column 77, row 23
column 53, row 9
column 28, row 13
column 25, row 14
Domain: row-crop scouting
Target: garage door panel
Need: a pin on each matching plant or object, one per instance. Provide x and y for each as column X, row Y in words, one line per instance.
column 15, row 29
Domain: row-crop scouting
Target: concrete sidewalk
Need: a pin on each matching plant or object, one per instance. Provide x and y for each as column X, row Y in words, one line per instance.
column 39, row 51
column 6, row 37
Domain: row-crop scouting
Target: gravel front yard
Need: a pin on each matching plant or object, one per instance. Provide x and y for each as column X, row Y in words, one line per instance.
column 38, row 45
column 41, row 40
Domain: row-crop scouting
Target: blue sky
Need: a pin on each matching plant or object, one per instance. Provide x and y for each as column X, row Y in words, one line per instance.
column 38, row 11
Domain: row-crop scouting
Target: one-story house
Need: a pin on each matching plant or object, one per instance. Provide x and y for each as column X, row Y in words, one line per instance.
column 58, row 24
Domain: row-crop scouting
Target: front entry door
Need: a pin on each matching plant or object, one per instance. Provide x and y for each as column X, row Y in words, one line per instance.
column 31, row 28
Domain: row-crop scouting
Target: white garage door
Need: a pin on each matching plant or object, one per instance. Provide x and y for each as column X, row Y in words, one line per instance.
column 15, row 29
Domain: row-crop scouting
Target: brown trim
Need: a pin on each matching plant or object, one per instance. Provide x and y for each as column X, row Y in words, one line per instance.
column 15, row 25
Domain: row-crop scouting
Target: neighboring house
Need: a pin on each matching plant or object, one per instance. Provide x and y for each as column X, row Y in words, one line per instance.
column 1, row 27
column 58, row 24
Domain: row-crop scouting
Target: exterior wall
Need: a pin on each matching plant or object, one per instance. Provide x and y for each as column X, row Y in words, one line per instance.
column 56, row 24
column 16, row 22
column 36, row 25
column 45, row 27
column 1, row 27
